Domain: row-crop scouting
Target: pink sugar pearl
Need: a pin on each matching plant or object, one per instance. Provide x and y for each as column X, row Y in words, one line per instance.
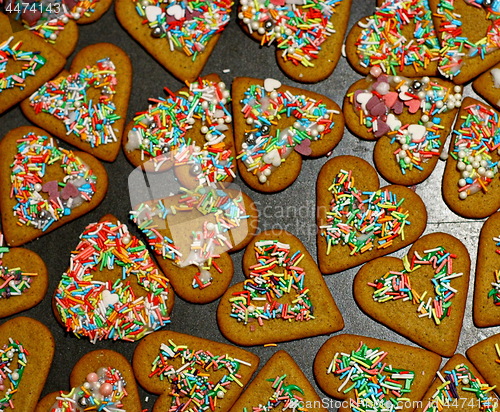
column 375, row 71
column 106, row 389
column 92, row 377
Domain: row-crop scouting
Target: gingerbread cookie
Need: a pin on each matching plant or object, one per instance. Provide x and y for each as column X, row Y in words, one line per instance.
column 399, row 37
column 486, row 309
column 24, row 279
column 180, row 34
column 280, row 384
column 26, row 63
column 91, row 116
column 459, row 386
column 62, row 184
column 469, row 32
column 284, row 297
column 371, row 374
column 423, row 296
column 102, row 379
column 409, row 118
column 186, row 370
column 485, row 356
column 487, row 86
column 275, row 126
column 308, row 35
column 471, row 187
column 98, row 298
column 393, row 216
column 192, row 233
column 26, row 352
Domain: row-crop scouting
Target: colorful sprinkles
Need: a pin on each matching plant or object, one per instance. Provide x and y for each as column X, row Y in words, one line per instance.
column 35, row 154
column 455, row 45
column 160, row 132
column 362, row 220
column 207, row 237
column 264, row 150
column 460, row 378
column 66, row 99
column 397, row 285
column 475, row 143
column 277, row 273
column 34, row 61
column 11, row 372
column 495, row 291
column 297, row 28
column 111, row 310
column 103, row 390
column 192, row 387
column 382, row 40
column 377, row 385
column 187, row 25
column 380, row 105
column 283, row 397
column 13, row 281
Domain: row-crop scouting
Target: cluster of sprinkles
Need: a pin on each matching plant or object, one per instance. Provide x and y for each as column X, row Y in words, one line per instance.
column 47, row 18
column 283, row 397
column 298, row 28
column 187, row 25
column 66, row 99
column 277, row 273
column 161, row 131
column 495, row 291
column 377, row 385
column 475, row 143
column 455, row 45
column 397, row 285
column 192, row 387
column 460, row 378
column 380, row 105
column 103, row 390
column 10, row 375
column 362, row 220
column 13, row 281
column 226, row 212
column 39, row 203
column 111, row 310
column 264, row 150
column 382, row 40
column 32, row 62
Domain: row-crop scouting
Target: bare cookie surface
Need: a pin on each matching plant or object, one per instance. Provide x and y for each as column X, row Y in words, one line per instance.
column 487, row 85
column 485, row 356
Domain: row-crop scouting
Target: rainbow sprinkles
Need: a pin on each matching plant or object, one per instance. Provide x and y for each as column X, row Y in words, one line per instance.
column 283, row 397
column 495, row 291
column 11, row 372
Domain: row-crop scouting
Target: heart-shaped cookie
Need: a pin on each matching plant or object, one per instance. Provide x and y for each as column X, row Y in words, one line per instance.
column 26, row 63
column 487, row 284
column 23, row 279
column 191, row 234
column 488, row 86
column 191, row 130
column 359, row 221
column 373, row 374
column 471, row 187
column 308, row 35
column 485, row 356
column 459, row 386
column 87, row 107
column 44, row 186
column 280, row 384
column 469, row 32
column 101, row 378
column 180, row 34
column 423, row 296
column 112, row 288
column 275, row 126
column 284, row 297
column 26, row 352
column 399, row 37
column 410, row 118
column 186, row 370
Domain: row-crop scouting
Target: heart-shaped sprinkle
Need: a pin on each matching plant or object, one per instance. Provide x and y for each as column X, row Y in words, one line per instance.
column 374, row 101
column 390, row 99
column 11, row 371
column 417, row 133
column 380, row 109
column 176, row 11
column 380, row 128
column 69, row 191
column 153, row 12
column 404, row 93
column 413, row 105
column 304, row 148
column 108, row 298
column 271, row 85
column 363, row 98
column 52, row 188
column 393, row 122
